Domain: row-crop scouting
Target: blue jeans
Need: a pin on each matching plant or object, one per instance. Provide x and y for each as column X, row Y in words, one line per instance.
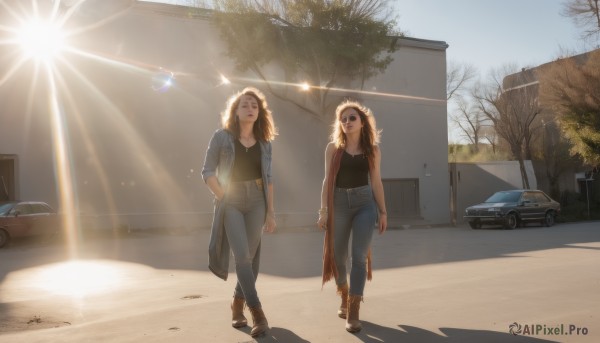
column 355, row 214
column 245, row 211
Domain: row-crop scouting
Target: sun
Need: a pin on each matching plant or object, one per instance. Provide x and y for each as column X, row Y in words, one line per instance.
column 41, row 40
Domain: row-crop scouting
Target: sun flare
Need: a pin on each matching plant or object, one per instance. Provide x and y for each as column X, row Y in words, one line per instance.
column 78, row 278
column 41, row 40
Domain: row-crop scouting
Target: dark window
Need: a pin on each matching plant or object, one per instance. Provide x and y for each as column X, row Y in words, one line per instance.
column 23, row 209
column 529, row 197
column 541, row 198
column 41, row 208
column 504, row 197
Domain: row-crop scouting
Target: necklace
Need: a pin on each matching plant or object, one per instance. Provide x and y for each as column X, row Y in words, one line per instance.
column 249, row 139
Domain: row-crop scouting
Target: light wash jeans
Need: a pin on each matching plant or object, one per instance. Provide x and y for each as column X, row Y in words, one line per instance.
column 245, row 211
column 355, row 214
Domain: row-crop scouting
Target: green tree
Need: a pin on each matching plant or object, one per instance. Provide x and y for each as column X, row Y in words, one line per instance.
column 571, row 88
column 326, row 44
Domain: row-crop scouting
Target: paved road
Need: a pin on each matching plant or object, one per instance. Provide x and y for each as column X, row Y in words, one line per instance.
column 429, row 285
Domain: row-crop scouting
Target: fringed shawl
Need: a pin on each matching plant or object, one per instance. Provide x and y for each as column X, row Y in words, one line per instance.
column 329, row 267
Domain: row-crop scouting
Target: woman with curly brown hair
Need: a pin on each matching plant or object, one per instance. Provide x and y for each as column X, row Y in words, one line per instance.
column 352, row 203
column 237, row 170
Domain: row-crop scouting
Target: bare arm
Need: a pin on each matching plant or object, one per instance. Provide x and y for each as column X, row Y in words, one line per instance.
column 378, row 190
column 270, row 220
column 329, row 151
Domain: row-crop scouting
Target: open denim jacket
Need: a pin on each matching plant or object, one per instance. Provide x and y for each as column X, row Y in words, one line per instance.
column 219, row 161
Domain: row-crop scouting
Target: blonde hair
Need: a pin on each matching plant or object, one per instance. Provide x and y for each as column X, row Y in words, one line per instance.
column 369, row 135
column 264, row 129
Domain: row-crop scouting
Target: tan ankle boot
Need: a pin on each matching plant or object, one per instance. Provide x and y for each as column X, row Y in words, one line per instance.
column 237, row 313
column 343, row 292
column 352, row 323
column 259, row 320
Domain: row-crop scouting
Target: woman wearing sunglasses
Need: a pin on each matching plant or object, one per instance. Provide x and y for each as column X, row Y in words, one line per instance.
column 352, row 200
column 237, row 170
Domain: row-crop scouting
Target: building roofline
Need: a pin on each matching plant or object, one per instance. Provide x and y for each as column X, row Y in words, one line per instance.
column 423, row 43
column 202, row 13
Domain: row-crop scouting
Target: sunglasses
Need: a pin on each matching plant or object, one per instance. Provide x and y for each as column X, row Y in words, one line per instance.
column 344, row 120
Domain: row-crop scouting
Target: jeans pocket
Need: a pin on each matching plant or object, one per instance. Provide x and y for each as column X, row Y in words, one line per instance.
column 364, row 195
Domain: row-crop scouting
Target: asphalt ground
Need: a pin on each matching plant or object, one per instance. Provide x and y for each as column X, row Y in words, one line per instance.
column 442, row 284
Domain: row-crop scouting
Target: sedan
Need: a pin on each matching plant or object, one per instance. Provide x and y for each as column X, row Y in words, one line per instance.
column 26, row 218
column 514, row 208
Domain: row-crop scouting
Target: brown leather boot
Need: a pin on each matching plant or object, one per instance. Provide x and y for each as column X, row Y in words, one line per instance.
column 237, row 313
column 352, row 323
column 259, row 320
column 343, row 292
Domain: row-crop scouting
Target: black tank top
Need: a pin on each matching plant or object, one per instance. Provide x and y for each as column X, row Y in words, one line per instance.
column 354, row 171
column 247, row 165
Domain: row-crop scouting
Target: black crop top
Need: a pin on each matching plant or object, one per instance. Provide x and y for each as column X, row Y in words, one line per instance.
column 354, row 171
column 247, row 165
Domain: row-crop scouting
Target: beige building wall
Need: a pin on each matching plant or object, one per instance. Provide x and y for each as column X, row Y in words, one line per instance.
column 135, row 151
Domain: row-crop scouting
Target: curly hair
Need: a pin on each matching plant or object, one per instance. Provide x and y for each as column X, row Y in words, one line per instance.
column 264, row 128
column 369, row 135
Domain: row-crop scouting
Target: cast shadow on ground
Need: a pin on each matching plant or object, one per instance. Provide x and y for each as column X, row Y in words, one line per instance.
column 276, row 334
column 373, row 333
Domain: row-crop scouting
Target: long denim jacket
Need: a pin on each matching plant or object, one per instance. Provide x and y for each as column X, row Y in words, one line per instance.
column 219, row 160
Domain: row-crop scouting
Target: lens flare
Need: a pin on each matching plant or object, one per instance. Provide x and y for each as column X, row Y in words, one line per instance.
column 41, row 40
column 224, row 80
column 163, row 81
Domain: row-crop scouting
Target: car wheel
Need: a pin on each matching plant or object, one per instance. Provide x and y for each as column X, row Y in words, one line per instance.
column 4, row 238
column 511, row 221
column 475, row 224
column 549, row 219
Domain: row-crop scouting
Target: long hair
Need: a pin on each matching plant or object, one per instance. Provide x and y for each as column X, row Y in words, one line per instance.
column 369, row 135
column 264, row 129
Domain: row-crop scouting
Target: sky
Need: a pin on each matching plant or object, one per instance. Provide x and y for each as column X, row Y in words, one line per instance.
column 490, row 34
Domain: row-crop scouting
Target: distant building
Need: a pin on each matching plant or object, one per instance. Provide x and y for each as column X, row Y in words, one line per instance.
column 552, row 178
column 140, row 104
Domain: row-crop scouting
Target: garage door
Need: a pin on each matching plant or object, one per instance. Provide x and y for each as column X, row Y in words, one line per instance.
column 402, row 198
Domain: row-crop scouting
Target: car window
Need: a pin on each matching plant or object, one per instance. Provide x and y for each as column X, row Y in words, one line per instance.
column 41, row 208
column 504, row 197
column 541, row 198
column 4, row 208
column 23, row 209
column 528, row 196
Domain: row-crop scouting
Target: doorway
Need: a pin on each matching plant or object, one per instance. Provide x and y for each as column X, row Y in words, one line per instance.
column 8, row 189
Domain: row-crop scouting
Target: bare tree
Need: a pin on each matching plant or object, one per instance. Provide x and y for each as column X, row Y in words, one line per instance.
column 585, row 14
column 512, row 107
column 489, row 135
column 470, row 121
column 458, row 77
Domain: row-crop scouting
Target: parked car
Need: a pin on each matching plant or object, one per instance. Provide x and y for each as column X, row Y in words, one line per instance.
column 513, row 208
column 26, row 218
